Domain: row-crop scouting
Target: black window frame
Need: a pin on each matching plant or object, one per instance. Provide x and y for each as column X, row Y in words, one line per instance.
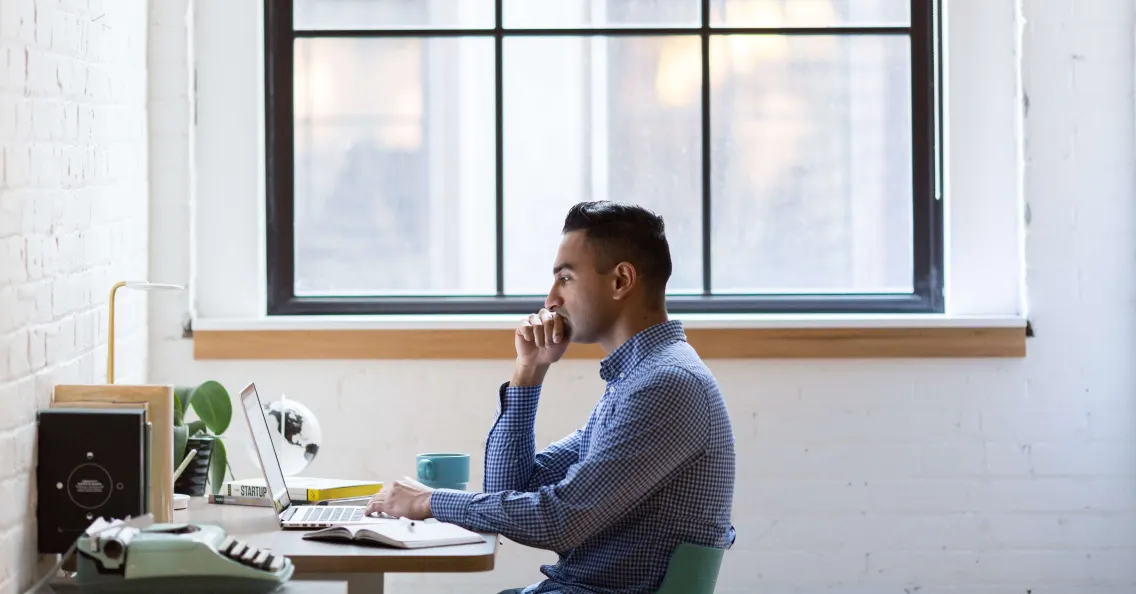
column 928, row 282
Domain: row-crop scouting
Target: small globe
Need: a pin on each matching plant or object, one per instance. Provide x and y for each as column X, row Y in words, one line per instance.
column 295, row 434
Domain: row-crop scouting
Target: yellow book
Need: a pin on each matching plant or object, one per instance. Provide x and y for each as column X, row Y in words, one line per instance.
column 304, row 488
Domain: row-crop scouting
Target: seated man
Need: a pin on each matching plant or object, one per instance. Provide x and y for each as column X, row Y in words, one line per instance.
column 654, row 464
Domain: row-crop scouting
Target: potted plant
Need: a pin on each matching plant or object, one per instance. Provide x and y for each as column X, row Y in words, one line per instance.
column 210, row 402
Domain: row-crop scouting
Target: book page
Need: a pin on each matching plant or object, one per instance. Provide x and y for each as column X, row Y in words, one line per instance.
column 373, row 524
column 351, row 528
column 402, row 533
column 424, row 533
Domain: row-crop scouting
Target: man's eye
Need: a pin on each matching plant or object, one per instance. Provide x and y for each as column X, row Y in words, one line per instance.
column 564, row 279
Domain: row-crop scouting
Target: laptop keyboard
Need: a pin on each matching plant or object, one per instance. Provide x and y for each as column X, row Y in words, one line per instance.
column 333, row 513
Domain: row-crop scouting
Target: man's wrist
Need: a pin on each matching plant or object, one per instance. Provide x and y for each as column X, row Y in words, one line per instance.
column 528, row 375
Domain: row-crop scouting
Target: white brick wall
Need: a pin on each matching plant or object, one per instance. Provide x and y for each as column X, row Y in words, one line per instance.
column 73, row 220
column 859, row 477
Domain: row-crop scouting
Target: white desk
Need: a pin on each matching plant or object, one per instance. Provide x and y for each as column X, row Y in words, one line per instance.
column 362, row 567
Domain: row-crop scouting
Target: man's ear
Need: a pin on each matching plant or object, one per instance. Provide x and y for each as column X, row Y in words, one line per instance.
column 624, row 278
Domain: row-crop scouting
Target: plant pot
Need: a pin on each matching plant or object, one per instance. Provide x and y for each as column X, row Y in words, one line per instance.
column 194, row 478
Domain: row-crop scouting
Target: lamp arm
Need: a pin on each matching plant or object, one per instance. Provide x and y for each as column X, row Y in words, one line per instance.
column 110, row 332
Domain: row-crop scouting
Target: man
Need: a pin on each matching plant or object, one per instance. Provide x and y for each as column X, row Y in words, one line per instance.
column 654, row 465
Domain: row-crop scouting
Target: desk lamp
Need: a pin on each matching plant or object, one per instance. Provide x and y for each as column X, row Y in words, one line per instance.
column 142, row 286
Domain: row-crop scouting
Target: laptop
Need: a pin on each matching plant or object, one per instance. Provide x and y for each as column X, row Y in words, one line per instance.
column 291, row 516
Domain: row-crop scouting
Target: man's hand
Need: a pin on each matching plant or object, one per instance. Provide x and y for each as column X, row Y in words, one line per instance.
column 541, row 340
column 406, row 498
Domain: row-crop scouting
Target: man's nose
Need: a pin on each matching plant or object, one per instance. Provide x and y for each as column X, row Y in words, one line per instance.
column 553, row 300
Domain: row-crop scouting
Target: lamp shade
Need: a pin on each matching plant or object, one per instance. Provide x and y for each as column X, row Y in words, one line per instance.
column 149, row 286
column 137, row 285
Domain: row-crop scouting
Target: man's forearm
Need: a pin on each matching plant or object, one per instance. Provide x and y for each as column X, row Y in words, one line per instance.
column 511, row 443
column 644, row 444
column 524, row 375
column 534, row 519
column 511, row 462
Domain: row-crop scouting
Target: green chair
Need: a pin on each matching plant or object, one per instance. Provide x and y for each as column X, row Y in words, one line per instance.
column 692, row 569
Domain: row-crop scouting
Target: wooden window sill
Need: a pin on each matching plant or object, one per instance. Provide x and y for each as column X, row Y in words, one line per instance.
column 289, row 339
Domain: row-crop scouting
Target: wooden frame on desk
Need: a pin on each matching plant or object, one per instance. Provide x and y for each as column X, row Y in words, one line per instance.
column 158, row 400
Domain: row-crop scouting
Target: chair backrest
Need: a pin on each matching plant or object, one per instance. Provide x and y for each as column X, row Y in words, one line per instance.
column 693, row 569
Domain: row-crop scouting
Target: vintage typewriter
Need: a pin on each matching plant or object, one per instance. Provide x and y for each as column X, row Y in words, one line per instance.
column 138, row 556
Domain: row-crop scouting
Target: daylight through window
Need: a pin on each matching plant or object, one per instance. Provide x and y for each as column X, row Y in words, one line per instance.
column 423, row 154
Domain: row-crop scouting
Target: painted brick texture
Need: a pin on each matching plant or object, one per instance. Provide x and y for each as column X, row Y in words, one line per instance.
column 73, row 220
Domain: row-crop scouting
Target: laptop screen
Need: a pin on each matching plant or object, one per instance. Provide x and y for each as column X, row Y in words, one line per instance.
column 262, row 440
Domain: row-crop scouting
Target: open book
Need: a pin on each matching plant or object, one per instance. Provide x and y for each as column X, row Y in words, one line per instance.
column 401, row 533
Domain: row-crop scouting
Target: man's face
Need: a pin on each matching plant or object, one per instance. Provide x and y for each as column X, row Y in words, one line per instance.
column 580, row 294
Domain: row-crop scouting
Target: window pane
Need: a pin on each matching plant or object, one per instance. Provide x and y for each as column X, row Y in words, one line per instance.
column 600, row 13
column 386, row 14
column 811, row 156
column 394, row 171
column 600, row 119
column 809, row 13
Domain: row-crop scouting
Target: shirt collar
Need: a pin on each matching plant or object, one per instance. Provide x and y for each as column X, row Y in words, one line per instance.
column 630, row 353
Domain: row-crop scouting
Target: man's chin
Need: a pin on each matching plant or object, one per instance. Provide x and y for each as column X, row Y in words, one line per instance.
column 579, row 338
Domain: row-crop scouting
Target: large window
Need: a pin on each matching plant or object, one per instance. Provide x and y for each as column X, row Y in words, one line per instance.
column 422, row 154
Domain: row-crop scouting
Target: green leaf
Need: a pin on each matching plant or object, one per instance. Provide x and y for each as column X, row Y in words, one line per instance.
column 182, row 397
column 196, row 427
column 217, row 463
column 181, row 436
column 179, row 417
column 211, row 403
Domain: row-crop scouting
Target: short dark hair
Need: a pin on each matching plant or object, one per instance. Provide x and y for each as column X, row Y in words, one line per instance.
column 620, row 232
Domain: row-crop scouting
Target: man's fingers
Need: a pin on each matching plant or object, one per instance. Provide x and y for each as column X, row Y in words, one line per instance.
column 526, row 330
column 538, row 329
column 378, row 503
column 557, row 328
column 544, row 328
column 548, row 321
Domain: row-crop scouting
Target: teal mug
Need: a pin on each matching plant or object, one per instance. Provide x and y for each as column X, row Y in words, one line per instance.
column 444, row 470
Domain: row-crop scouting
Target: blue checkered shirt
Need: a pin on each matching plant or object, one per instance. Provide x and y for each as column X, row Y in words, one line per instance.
column 652, row 468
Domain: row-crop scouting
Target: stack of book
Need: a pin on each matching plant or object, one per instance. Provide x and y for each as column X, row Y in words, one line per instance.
column 301, row 490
